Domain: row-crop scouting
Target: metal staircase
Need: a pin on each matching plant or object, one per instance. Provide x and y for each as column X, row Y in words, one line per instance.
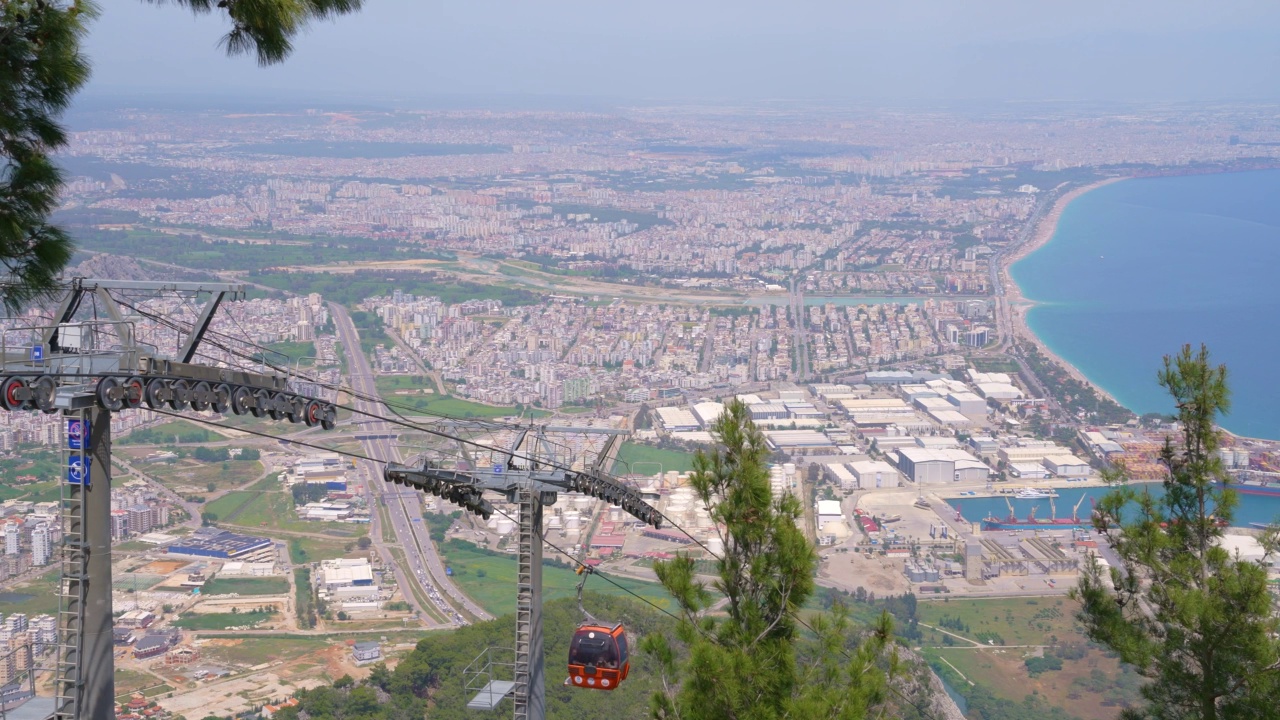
column 75, row 578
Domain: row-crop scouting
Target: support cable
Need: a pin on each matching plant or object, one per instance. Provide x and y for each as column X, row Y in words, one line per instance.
column 550, row 544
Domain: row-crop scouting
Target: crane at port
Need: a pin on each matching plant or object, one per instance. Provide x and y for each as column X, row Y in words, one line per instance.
column 1075, row 512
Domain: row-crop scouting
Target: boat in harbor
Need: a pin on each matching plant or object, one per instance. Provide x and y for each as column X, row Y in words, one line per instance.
column 1035, row 494
column 921, row 503
column 1253, row 487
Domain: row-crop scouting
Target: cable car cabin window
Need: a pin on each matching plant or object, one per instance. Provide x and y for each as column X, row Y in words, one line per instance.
column 622, row 648
column 594, row 648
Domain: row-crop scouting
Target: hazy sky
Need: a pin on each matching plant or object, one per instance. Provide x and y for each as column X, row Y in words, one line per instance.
column 844, row 50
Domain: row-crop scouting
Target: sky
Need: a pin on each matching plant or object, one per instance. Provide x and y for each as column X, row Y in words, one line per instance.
column 848, row 51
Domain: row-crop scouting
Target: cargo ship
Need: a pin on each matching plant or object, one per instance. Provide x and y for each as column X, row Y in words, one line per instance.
column 1253, row 487
column 1031, row 522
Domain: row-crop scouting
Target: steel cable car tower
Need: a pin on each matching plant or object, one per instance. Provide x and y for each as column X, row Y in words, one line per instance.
column 526, row 477
column 87, row 368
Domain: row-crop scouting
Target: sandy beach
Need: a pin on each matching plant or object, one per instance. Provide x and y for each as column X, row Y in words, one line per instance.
column 1018, row 305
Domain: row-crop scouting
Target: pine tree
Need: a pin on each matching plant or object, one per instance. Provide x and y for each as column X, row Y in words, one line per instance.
column 41, row 68
column 1194, row 620
column 753, row 657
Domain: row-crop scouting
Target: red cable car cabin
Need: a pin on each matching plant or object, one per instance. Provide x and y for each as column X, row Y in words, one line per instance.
column 598, row 657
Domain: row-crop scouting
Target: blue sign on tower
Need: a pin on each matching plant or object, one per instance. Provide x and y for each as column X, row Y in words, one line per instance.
column 497, row 469
column 78, row 470
column 37, row 354
column 77, row 434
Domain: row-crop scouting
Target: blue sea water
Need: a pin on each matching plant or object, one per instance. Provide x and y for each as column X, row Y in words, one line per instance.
column 1140, row 267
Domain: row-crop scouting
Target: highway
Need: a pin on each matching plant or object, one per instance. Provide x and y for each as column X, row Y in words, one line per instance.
column 404, row 509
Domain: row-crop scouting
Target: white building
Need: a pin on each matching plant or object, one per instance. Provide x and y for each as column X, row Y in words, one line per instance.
column 707, row 413
column 840, row 475
column 41, row 544
column 930, row 466
column 344, row 572
column 1066, row 466
column 12, row 538
column 875, row 474
column 676, row 419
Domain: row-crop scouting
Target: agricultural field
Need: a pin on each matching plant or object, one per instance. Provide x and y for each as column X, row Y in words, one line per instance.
column 246, row 586
column 644, row 459
column 490, row 580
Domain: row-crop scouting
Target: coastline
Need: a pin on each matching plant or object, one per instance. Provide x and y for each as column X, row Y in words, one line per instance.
column 1018, row 305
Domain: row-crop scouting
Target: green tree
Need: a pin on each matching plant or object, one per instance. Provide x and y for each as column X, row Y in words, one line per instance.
column 41, row 68
column 1191, row 618
column 750, row 659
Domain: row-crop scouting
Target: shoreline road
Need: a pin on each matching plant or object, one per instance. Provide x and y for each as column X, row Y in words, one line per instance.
column 422, row 561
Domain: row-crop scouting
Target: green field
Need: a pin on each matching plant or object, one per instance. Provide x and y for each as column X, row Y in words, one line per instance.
column 288, row 353
column 246, row 586
column 276, row 510
column 228, row 504
column 197, row 475
column 44, row 464
column 309, row 550
column 634, row 457
column 442, row 405
column 1093, row 685
column 490, row 580
column 37, row 597
column 221, row 621
column 179, row 431
column 128, row 681
column 1020, row 621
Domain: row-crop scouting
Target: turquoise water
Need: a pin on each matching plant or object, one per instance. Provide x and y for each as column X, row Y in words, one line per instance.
column 1140, row 267
column 1250, row 509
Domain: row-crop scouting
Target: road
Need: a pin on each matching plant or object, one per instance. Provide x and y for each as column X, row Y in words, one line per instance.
column 404, row 509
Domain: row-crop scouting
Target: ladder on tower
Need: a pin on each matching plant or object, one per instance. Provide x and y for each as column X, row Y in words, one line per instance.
column 68, row 684
column 524, row 601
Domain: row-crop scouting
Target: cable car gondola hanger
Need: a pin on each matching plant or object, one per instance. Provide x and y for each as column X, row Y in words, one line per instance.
column 598, row 654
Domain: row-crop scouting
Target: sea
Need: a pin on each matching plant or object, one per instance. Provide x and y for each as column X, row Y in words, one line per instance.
column 1249, row 509
column 1138, row 268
